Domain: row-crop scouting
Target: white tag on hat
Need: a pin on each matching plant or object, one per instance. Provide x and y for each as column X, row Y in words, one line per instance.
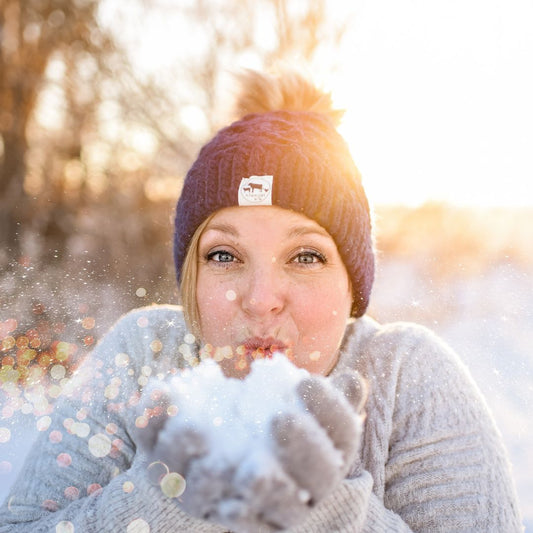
column 256, row 190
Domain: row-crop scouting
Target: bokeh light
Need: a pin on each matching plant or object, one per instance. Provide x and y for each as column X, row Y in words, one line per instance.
column 38, row 358
column 100, row 445
column 173, row 485
column 138, row 526
column 156, row 472
column 65, row 527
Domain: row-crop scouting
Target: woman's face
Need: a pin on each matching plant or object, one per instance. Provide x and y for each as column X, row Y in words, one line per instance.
column 269, row 280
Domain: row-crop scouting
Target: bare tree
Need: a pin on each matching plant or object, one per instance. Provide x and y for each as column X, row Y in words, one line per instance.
column 45, row 175
column 76, row 185
column 31, row 32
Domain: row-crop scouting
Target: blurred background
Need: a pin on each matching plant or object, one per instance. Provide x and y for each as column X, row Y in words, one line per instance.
column 104, row 105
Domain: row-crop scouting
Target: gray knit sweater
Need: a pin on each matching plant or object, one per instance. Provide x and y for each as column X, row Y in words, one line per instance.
column 432, row 457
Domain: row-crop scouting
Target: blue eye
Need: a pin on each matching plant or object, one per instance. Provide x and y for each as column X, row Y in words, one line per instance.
column 308, row 257
column 221, row 256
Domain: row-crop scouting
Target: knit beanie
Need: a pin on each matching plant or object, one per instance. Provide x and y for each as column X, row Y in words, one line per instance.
column 291, row 158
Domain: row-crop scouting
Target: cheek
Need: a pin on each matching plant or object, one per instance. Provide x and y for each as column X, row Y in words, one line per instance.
column 216, row 305
column 326, row 301
column 320, row 340
column 322, row 315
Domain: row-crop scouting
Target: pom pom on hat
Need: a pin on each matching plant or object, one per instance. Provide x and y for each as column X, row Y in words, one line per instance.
column 285, row 151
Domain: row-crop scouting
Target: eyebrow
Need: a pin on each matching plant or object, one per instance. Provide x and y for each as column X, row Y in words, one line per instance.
column 307, row 230
column 297, row 231
column 223, row 228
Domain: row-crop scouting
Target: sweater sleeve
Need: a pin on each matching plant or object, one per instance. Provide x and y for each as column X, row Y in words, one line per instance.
column 353, row 508
column 84, row 474
column 447, row 469
column 433, row 458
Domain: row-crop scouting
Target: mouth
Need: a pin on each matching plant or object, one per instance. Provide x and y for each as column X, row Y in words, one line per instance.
column 261, row 348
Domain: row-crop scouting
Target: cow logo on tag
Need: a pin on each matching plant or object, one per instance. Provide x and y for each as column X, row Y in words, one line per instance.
column 256, row 190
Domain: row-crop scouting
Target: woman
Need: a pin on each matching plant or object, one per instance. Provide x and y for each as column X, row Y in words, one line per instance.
column 274, row 253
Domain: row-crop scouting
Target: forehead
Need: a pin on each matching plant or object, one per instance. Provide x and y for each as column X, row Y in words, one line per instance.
column 253, row 218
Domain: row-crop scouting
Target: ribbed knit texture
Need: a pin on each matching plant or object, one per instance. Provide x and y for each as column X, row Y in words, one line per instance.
column 313, row 173
column 432, row 459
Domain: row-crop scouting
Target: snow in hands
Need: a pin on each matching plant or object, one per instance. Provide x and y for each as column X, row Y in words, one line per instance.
column 253, row 454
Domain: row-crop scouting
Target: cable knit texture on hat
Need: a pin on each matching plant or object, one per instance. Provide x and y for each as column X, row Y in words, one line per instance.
column 313, row 174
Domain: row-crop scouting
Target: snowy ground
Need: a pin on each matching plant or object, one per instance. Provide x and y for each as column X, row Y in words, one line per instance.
column 487, row 319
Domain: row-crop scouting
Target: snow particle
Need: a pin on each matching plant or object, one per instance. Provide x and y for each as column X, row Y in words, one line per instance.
column 142, row 322
column 72, row 493
column 172, row 410
column 111, row 391
column 65, row 527
column 146, row 370
column 156, row 472
column 122, row 359
column 81, row 429
column 5, row 467
column 50, row 505
column 7, row 411
column 54, row 391
column 189, row 338
column 43, row 423
column 55, row 436
column 185, row 350
column 64, row 460
column 5, row 435
column 304, row 495
column 231, row 295
column 88, row 322
column 141, row 422
column 156, row 346
column 138, row 526
column 111, row 428
column 93, row 488
column 173, row 485
column 57, row 372
column 314, row 356
column 99, row 445
column 223, row 352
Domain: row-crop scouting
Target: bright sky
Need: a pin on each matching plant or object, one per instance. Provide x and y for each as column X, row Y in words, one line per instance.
column 440, row 100
column 438, row 93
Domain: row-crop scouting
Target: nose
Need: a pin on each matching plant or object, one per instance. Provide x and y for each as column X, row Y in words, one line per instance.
column 263, row 293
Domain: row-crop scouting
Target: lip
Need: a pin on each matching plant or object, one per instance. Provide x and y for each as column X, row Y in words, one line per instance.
column 262, row 347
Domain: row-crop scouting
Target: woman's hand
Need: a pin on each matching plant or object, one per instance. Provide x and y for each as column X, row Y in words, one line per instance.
column 320, row 445
column 278, row 472
column 315, row 448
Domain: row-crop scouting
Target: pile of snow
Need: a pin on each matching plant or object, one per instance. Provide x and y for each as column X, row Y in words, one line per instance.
column 234, row 415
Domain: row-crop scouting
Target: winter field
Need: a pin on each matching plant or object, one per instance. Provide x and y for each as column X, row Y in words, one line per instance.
column 467, row 275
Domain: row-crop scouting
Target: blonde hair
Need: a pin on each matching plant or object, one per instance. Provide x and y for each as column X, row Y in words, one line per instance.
column 189, row 280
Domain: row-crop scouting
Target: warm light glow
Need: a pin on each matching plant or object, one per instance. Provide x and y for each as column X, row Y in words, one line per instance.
column 438, row 93
column 439, row 101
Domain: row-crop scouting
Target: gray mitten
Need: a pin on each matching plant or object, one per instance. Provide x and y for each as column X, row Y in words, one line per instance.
column 257, row 453
column 315, row 445
column 319, row 447
column 175, row 443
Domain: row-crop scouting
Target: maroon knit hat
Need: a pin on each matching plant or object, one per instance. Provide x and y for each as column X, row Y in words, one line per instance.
column 292, row 159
